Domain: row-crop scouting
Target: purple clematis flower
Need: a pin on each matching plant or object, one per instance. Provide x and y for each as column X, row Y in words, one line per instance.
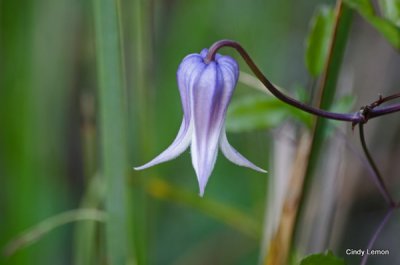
column 206, row 90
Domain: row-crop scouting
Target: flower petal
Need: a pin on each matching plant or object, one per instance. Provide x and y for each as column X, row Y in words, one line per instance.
column 211, row 95
column 234, row 156
column 206, row 97
column 188, row 71
column 178, row 146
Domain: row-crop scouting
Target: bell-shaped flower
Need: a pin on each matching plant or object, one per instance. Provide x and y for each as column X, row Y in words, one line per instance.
column 206, row 90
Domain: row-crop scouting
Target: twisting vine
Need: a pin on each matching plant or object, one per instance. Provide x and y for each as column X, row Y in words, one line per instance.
column 360, row 118
column 356, row 118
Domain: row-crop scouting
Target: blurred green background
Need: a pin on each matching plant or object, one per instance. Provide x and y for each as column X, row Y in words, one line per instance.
column 54, row 122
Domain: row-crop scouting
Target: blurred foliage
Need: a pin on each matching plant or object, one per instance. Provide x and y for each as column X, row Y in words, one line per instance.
column 388, row 26
column 322, row 259
column 51, row 136
column 319, row 40
column 261, row 112
column 391, row 10
column 88, row 90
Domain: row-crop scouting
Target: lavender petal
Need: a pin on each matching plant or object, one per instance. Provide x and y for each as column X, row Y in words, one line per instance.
column 178, row 146
column 234, row 156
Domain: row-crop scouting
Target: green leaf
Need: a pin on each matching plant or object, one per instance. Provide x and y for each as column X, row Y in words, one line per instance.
column 255, row 112
column 344, row 104
column 387, row 29
column 388, row 26
column 391, row 10
column 322, row 259
column 319, row 39
column 365, row 7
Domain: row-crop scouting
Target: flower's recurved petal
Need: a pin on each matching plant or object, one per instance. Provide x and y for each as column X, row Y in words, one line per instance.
column 206, row 90
column 234, row 156
column 178, row 146
column 187, row 72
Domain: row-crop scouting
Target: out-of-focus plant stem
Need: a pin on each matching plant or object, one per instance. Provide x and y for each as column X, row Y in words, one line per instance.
column 325, row 96
column 112, row 110
column 85, row 232
column 288, row 225
column 278, row 251
column 380, row 183
column 378, row 179
column 140, row 122
column 33, row 234
column 377, row 233
column 232, row 217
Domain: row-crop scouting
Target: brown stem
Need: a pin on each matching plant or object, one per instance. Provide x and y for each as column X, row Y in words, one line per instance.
column 355, row 118
column 380, row 183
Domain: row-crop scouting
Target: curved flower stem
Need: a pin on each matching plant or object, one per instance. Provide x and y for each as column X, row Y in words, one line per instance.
column 361, row 117
column 377, row 233
column 355, row 118
column 378, row 178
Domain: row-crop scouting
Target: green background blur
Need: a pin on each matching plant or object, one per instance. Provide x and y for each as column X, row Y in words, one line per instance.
column 49, row 136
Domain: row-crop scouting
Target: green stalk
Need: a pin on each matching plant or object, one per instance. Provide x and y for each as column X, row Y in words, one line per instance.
column 326, row 95
column 232, row 217
column 112, row 129
column 85, row 231
column 328, row 87
column 35, row 233
column 140, row 121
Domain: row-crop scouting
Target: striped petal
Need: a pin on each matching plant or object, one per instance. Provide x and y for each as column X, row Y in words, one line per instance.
column 206, row 90
column 186, row 75
column 211, row 95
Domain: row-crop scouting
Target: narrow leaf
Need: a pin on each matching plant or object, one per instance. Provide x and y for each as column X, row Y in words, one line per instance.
column 365, row 7
column 319, row 39
column 387, row 29
column 388, row 26
column 255, row 112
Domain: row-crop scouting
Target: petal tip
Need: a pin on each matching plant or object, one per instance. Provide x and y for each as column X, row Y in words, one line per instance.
column 145, row 166
column 262, row 170
column 202, row 179
column 202, row 188
column 201, row 193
